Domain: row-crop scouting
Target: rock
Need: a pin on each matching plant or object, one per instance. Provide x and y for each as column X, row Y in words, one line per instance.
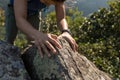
column 65, row 65
column 11, row 65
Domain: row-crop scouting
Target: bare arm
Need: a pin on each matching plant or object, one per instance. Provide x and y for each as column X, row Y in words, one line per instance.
column 60, row 15
column 62, row 23
column 20, row 9
column 40, row 39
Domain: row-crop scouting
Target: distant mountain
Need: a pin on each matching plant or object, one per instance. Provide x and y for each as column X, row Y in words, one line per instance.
column 87, row 6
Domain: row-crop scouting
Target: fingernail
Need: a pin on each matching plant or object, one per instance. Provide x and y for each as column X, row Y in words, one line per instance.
column 41, row 56
column 54, row 51
column 49, row 55
column 60, row 47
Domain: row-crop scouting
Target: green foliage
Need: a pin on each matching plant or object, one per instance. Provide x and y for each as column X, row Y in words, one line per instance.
column 2, row 32
column 21, row 41
column 98, row 36
column 1, row 17
column 74, row 19
column 49, row 24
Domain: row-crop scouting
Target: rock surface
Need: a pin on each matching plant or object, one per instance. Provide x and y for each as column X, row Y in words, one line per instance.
column 11, row 65
column 66, row 65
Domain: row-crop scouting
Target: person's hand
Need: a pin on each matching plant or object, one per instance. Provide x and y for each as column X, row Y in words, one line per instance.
column 70, row 39
column 46, row 42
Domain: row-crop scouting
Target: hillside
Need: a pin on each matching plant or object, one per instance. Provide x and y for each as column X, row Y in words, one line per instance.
column 90, row 6
column 87, row 6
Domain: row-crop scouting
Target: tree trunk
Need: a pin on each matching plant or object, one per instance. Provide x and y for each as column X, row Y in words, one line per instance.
column 66, row 65
column 11, row 64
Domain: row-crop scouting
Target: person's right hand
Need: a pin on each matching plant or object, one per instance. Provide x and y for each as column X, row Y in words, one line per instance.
column 45, row 42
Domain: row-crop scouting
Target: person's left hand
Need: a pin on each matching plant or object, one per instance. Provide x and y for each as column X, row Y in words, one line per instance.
column 70, row 39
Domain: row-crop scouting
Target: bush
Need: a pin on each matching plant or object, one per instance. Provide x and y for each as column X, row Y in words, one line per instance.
column 98, row 36
column 2, row 32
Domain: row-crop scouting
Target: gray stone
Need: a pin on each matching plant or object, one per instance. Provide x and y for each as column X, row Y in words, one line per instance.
column 11, row 64
column 65, row 65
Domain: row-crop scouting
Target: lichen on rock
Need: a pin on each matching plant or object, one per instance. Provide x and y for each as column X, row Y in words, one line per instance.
column 11, row 64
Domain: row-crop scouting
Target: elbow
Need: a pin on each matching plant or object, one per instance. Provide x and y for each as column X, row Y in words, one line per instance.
column 19, row 21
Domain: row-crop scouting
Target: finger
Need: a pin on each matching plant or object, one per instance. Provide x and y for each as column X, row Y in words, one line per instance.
column 49, row 45
column 32, row 42
column 45, row 50
column 53, row 39
column 40, row 52
column 71, row 43
column 54, row 36
column 55, row 43
column 76, row 46
column 39, row 49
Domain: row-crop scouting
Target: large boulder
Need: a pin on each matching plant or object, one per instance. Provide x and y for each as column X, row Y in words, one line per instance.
column 65, row 65
column 11, row 65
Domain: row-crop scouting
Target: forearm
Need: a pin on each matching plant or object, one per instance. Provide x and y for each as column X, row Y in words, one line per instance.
column 62, row 24
column 20, row 11
column 26, row 28
column 60, row 15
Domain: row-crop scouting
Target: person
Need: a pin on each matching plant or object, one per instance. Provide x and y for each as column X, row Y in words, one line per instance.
column 23, row 15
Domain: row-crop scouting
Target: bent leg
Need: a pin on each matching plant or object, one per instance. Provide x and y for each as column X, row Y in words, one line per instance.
column 34, row 21
column 10, row 25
